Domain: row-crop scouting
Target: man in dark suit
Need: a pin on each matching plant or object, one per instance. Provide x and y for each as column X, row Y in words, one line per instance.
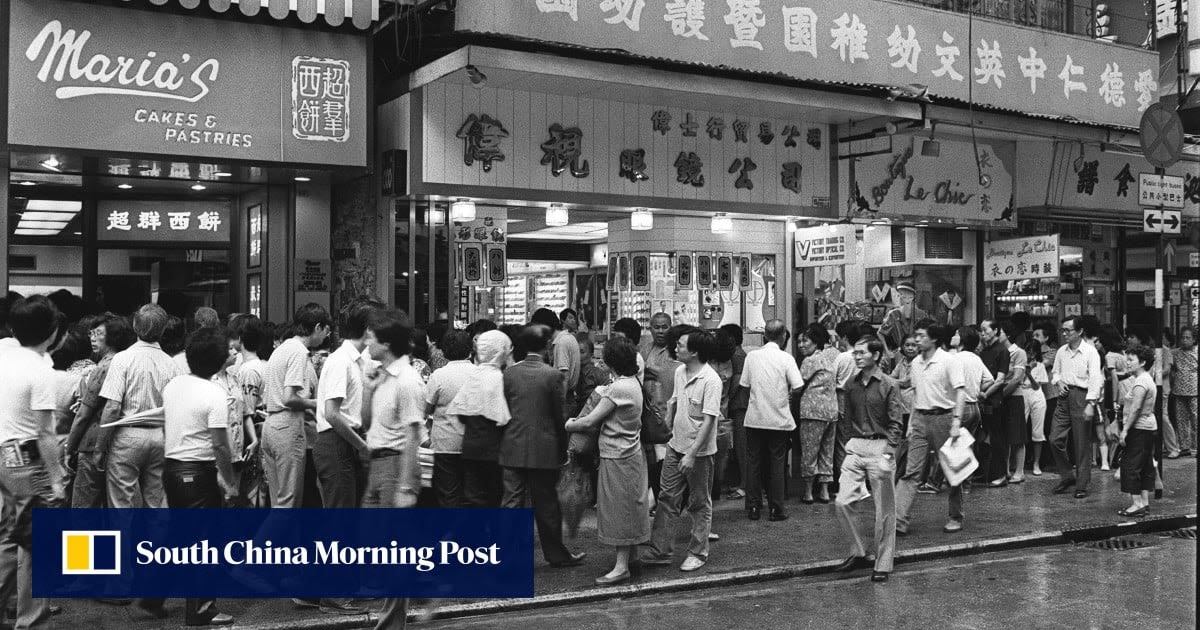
column 534, row 443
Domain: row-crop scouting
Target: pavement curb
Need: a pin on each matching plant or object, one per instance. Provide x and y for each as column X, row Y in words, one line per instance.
column 1073, row 534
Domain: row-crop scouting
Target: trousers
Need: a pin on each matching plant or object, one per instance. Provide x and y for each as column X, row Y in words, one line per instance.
column 765, row 448
column 1070, row 424
column 135, row 467
column 21, row 490
column 865, row 461
column 698, row 485
column 541, row 487
column 929, row 431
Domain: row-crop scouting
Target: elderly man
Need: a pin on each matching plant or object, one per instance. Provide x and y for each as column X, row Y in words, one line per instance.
column 1077, row 368
column 772, row 376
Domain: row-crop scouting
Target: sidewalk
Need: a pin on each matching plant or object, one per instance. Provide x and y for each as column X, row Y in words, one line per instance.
column 810, row 541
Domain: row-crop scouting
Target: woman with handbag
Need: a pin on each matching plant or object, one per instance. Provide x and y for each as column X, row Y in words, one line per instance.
column 1138, row 433
column 623, row 519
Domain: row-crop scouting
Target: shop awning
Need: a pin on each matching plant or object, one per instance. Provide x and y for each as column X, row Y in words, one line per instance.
column 360, row 12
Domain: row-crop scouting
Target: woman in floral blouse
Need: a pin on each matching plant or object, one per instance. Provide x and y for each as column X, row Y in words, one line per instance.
column 1183, row 390
column 816, row 418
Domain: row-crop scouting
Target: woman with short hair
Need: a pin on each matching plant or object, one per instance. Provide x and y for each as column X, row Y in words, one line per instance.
column 816, row 417
column 1137, row 432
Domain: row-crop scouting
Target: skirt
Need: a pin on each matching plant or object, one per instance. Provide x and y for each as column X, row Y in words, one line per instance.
column 623, row 517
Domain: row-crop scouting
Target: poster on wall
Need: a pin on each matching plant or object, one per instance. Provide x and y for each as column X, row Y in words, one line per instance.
column 640, row 262
column 497, row 267
column 254, row 294
column 743, row 273
column 725, row 272
column 1021, row 258
column 612, row 271
column 684, row 271
column 704, row 279
column 623, row 273
column 472, row 264
column 312, row 276
column 256, row 227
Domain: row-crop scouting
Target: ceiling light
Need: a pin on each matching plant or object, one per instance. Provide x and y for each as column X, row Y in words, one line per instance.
column 34, row 232
column 198, row 186
column 222, row 174
column 301, row 178
column 931, row 147
column 641, row 220
column 124, row 186
column 556, row 216
column 963, row 228
column 52, row 205
column 790, row 225
column 27, row 183
column 52, row 163
column 462, row 210
column 832, row 228
column 722, row 224
column 438, row 217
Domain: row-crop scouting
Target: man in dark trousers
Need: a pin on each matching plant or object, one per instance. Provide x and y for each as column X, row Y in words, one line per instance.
column 534, row 443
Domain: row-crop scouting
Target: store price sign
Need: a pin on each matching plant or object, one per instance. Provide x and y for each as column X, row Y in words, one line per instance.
column 1021, row 259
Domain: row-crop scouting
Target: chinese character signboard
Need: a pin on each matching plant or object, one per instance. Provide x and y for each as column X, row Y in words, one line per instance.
column 113, row 79
column 1021, row 259
column 852, row 41
column 1160, row 191
column 312, row 276
column 954, row 187
column 1065, row 175
column 181, row 222
column 825, row 246
column 620, row 153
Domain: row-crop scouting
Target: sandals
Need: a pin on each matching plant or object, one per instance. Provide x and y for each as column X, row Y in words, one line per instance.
column 1137, row 513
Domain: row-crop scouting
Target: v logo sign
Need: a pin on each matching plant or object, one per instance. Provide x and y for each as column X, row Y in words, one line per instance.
column 802, row 249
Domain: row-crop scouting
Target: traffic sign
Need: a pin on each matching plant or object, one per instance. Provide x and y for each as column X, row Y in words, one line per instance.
column 1161, row 135
column 1194, row 259
column 1161, row 221
column 1160, row 191
column 1169, row 255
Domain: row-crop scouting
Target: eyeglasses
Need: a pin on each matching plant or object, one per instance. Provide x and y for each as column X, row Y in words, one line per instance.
column 1065, row 329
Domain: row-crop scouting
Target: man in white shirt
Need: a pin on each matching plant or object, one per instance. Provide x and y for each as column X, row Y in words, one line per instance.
column 938, row 403
column 694, row 407
column 31, row 475
column 772, row 377
column 393, row 406
column 564, row 353
column 340, row 449
column 288, row 385
column 1078, row 369
column 446, row 430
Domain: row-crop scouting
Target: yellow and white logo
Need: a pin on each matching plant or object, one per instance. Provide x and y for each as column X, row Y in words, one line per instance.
column 91, row 552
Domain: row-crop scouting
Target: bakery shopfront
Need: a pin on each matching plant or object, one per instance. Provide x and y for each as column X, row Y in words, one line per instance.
column 174, row 156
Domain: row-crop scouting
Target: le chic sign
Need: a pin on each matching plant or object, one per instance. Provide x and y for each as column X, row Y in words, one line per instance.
column 1021, row 259
column 112, row 79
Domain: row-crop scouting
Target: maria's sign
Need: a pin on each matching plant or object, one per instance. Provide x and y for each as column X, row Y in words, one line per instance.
column 143, row 82
column 1021, row 259
column 856, row 42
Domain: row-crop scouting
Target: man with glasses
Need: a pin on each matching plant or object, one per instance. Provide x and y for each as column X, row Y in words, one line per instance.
column 1077, row 369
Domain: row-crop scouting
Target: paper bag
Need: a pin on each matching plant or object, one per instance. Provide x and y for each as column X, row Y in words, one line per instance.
column 957, row 459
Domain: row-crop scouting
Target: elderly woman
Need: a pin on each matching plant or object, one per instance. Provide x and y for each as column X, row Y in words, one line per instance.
column 816, row 418
column 481, row 408
column 622, row 514
column 1137, row 432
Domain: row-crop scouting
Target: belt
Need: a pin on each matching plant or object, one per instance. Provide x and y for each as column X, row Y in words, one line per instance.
column 381, row 453
column 1077, row 387
column 873, row 436
column 935, row 412
column 140, row 426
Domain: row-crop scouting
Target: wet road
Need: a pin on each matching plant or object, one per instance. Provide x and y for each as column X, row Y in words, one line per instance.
column 1060, row 587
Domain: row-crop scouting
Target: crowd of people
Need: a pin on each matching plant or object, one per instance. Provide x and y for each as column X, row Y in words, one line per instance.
column 155, row 411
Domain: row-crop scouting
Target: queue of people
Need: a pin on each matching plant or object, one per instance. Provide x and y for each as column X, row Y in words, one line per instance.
column 135, row 412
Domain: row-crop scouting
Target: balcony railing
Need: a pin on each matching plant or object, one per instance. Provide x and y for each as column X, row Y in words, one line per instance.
column 1127, row 23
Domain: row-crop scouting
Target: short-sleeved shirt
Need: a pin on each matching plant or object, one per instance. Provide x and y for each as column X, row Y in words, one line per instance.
column 566, row 357
column 843, row 367
column 192, row 406
column 996, row 359
column 398, row 403
column 446, row 431
column 1017, row 360
column 820, row 400
column 621, row 431
column 740, row 399
column 288, row 367
column 250, row 378
column 341, row 377
column 136, row 377
column 26, row 388
column 901, row 373
column 976, row 376
column 1144, row 417
column 695, row 396
column 936, row 381
column 771, row 375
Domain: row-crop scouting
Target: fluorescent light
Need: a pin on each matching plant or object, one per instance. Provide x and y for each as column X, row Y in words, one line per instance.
column 46, row 225
column 124, row 186
column 40, row 215
column 35, row 232
column 222, row 174
column 556, row 216
column 198, row 186
column 641, row 220
column 301, row 178
column 722, row 224
column 27, row 183
column 462, row 210
column 51, row 205
column 790, row 224
column 52, row 163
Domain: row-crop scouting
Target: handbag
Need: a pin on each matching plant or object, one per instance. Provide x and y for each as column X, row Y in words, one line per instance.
column 655, row 428
column 587, row 442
